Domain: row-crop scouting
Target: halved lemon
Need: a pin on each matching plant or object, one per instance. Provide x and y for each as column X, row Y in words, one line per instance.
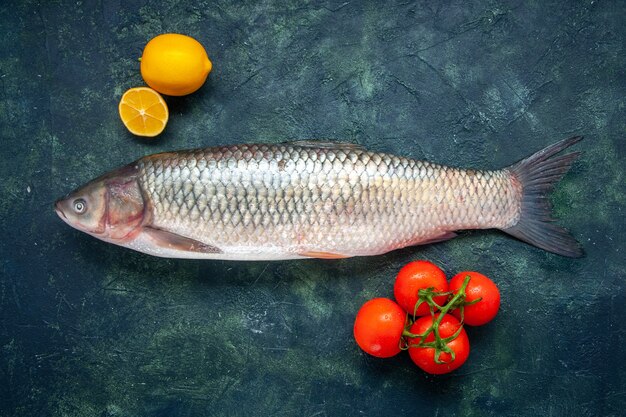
column 143, row 111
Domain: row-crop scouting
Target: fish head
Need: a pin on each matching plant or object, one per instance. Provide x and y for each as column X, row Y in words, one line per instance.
column 110, row 207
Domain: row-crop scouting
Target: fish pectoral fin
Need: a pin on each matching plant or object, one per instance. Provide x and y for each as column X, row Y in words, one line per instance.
column 170, row 240
column 323, row 255
column 440, row 238
column 325, row 144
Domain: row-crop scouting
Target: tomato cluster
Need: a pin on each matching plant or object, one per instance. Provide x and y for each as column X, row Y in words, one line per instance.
column 427, row 317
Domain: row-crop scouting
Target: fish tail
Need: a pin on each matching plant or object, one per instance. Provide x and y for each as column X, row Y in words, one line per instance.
column 537, row 175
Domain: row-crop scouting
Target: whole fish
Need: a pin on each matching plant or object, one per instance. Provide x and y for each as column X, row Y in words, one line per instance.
column 312, row 200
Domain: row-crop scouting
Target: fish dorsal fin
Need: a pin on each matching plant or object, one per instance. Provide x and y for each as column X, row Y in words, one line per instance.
column 325, row 144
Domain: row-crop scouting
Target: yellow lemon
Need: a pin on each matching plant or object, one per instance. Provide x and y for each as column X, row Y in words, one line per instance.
column 175, row 64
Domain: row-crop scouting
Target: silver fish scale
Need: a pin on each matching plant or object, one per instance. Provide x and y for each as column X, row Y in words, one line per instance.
column 300, row 199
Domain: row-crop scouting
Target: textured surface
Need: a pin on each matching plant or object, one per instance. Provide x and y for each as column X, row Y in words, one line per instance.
column 284, row 201
column 87, row 328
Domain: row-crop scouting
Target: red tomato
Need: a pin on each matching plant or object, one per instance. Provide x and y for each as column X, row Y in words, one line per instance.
column 415, row 276
column 479, row 287
column 425, row 357
column 378, row 327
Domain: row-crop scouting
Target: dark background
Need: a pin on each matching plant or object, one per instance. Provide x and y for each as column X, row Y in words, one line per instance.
column 91, row 329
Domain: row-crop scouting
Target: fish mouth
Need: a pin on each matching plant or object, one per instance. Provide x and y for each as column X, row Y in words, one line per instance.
column 59, row 210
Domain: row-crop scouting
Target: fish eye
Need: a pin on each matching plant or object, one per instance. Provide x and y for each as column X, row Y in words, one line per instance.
column 80, row 206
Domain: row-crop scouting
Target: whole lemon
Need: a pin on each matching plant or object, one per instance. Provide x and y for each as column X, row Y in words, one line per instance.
column 175, row 64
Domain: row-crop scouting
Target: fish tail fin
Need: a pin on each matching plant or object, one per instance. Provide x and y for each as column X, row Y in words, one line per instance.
column 537, row 175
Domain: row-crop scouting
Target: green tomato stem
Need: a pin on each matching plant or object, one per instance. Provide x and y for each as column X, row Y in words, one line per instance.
column 439, row 344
